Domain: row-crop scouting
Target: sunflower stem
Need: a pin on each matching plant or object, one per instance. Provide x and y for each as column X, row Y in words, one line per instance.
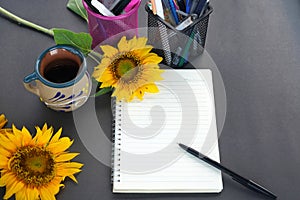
column 94, row 55
column 29, row 24
column 103, row 91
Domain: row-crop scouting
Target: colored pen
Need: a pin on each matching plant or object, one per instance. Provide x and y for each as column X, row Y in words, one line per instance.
column 167, row 12
column 101, row 8
column 243, row 181
column 159, row 8
column 184, row 57
column 181, row 5
column 204, row 8
column 199, row 7
column 95, row 10
column 173, row 10
column 117, row 10
column 193, row 6
column 188, row 4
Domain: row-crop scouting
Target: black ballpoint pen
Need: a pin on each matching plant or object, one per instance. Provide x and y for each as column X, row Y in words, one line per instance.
column 245, row 182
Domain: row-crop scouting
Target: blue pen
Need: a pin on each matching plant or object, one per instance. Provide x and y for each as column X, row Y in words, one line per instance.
column 173, row 10
column 188, row 4
column 200, row 6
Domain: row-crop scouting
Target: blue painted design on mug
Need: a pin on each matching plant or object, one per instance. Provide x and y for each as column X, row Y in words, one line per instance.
column 68, row 98
column 81, row 92
column 60, row 98
column 56, row 95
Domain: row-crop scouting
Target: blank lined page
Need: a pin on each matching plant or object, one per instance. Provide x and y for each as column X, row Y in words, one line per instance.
column 147, row 157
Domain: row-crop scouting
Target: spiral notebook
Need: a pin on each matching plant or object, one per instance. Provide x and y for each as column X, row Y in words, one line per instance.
column 146, row 156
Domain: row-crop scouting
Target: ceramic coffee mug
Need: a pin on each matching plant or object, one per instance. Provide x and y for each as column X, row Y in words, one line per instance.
column 60, row 78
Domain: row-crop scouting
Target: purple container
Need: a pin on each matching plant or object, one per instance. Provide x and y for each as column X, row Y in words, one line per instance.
column 103, row 27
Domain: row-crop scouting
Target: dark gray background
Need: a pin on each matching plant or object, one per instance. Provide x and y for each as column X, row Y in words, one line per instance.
column 254, row 43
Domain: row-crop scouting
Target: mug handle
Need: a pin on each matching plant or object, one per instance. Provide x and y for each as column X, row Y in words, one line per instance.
column 28, row 83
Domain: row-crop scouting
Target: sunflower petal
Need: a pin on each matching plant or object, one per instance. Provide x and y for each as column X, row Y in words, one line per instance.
column 3, row 162
column 152, row 88
column 68, row 171
column 66, row 157
column 98, row 71
column 142, row 52
column 152, row 58
column 45, row 194
column 44, row 135
column 109, row 51
column 123, row 44
column 56, row 136
column 37, row 134
column 54, row 186
column 73, row 178
column 141, row 42
column 132, row 43
column 45, row 127
column 21, row 195
column 14, row 188
column 7, row 144
column 69, row 165
column 4, row 152
column 5, row 131
column 16, row 137
column 7, row 178
column 60, row 146
column 27, row 138
column 3, row 121
column 32, row 193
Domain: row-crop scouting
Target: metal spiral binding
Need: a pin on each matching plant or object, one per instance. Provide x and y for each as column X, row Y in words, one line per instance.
column 116, row 141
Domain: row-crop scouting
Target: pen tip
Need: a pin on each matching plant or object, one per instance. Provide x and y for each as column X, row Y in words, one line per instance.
column 183, row 146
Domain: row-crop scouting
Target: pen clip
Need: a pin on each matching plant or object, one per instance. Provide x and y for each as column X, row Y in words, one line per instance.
column 185, row 23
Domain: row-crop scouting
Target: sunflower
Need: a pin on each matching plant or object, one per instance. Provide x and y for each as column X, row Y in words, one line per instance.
column 3, row 121
column 33, row 167
column 131, row 69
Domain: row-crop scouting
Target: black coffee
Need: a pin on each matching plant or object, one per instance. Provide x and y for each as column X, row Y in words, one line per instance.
column 61, row 71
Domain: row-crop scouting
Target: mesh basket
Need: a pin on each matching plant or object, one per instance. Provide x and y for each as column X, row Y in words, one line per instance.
column 175, row 46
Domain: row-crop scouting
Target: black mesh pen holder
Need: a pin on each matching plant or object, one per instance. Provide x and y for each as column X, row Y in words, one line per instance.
column 177, row 47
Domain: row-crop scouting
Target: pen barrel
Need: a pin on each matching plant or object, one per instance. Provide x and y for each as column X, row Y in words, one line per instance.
column 261, row 189
column 243, row 181
column 254, row 187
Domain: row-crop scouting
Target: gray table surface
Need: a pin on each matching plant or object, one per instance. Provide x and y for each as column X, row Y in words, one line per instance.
column 254, row 43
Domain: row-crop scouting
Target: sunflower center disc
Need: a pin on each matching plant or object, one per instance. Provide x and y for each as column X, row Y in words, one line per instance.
column 33, row 165
column 124, row 64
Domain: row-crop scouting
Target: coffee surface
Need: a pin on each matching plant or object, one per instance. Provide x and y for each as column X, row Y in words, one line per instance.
column 61, row 71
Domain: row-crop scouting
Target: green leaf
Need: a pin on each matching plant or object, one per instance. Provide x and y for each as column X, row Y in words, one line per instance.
column 82, row 41
column 77, row 7
column 103, row 91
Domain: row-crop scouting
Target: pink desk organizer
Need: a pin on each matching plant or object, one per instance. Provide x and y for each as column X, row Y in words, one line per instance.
column 103, row 27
